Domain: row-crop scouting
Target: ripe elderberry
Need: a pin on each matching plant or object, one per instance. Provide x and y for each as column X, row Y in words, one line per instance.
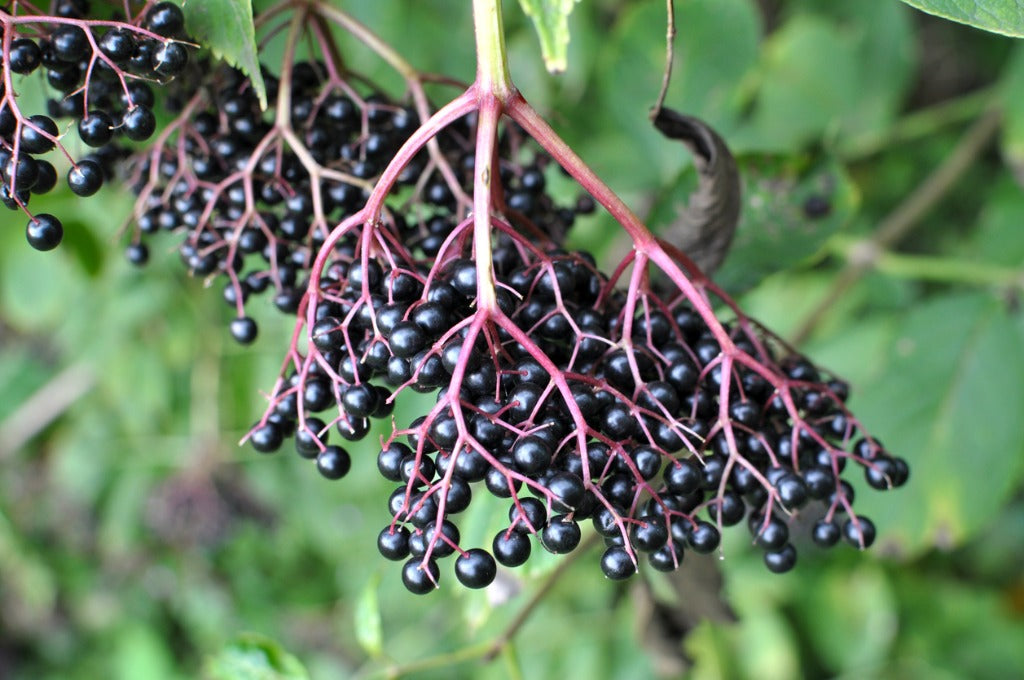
column 44, row 232
column 475, row 568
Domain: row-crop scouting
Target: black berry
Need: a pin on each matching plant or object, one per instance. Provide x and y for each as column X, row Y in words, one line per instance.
column 44, row 232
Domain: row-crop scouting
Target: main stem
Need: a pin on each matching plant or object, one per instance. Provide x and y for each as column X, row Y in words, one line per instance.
column 491, row 58
column 493, row 88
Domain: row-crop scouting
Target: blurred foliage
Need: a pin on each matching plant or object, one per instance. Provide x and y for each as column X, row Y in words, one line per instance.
column 137, row 540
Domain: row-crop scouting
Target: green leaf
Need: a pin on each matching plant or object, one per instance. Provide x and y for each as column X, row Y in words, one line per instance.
column 832, row 76
column 551, row 19
column 226, row 27
column 949, row 401
column 998, row 16
column 1012, row 92
column 254, row 657
column 367, row 619
column 858, row 606
column 718, row 46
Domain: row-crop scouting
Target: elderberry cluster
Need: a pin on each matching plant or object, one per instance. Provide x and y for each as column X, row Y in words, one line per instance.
column 582, row 405
column 617, row 404
column 255, row 193
column 99, row 72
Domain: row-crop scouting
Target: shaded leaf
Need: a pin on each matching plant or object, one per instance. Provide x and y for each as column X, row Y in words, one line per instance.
column 717, row 48
column 226, row 27
column 789, row 210
column 998, row 16
column 551, row 19
column 949, row 401
column 861, row 611
column 1012, row 85
column 367, row 619
column 834, row 76
column 254, row 657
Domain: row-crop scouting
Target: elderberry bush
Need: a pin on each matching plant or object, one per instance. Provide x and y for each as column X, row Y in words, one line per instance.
column 99, row 67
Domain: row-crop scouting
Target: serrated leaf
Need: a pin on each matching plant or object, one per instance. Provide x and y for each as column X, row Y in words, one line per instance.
column 226, row 28
column 254, row 657
column 551, row 20
column 998, row 16
column 367, row 619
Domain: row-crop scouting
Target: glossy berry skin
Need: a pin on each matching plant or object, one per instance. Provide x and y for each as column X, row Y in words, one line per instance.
column 561, row 535
column 267, row 438
column 244, row 330
column 389, row 461
column 781, row 560
column 531, row 455
column 663, row 559
column 770, row 536
column 25, row 56
column 511, row 548
column 166, row 19
column 333, row 462
column 860, row 534
column 96, row 129
column 825, row 534
column 792, row 491
column 650, row 535
column 69, row 43
column 44, row 232
column 393, row 544
column 419, row 580
column 138, row 124
column 33, row 141
column 475, row 568
column 704, row 538
column 359, row 401
column 170, row 59
column 24, row 172
column 407, row 338
column 568, row 489
column 529, row 515
column 118, row 44
column 616, row 564
column 682, row 477
column 46, row 177
column 86, row 178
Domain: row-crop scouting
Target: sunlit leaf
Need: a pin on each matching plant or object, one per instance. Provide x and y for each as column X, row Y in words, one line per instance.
column 254, row 657
column 997, row 16
column 367, row 618
column 949, row 401
column 551, row 19
column 226, row 27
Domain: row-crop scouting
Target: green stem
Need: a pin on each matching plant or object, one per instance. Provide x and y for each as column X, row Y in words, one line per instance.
column 948, row 270
column 491, row 58
column 919, row 124
column 929, row 267
column 905, row 217
column 512, row 666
